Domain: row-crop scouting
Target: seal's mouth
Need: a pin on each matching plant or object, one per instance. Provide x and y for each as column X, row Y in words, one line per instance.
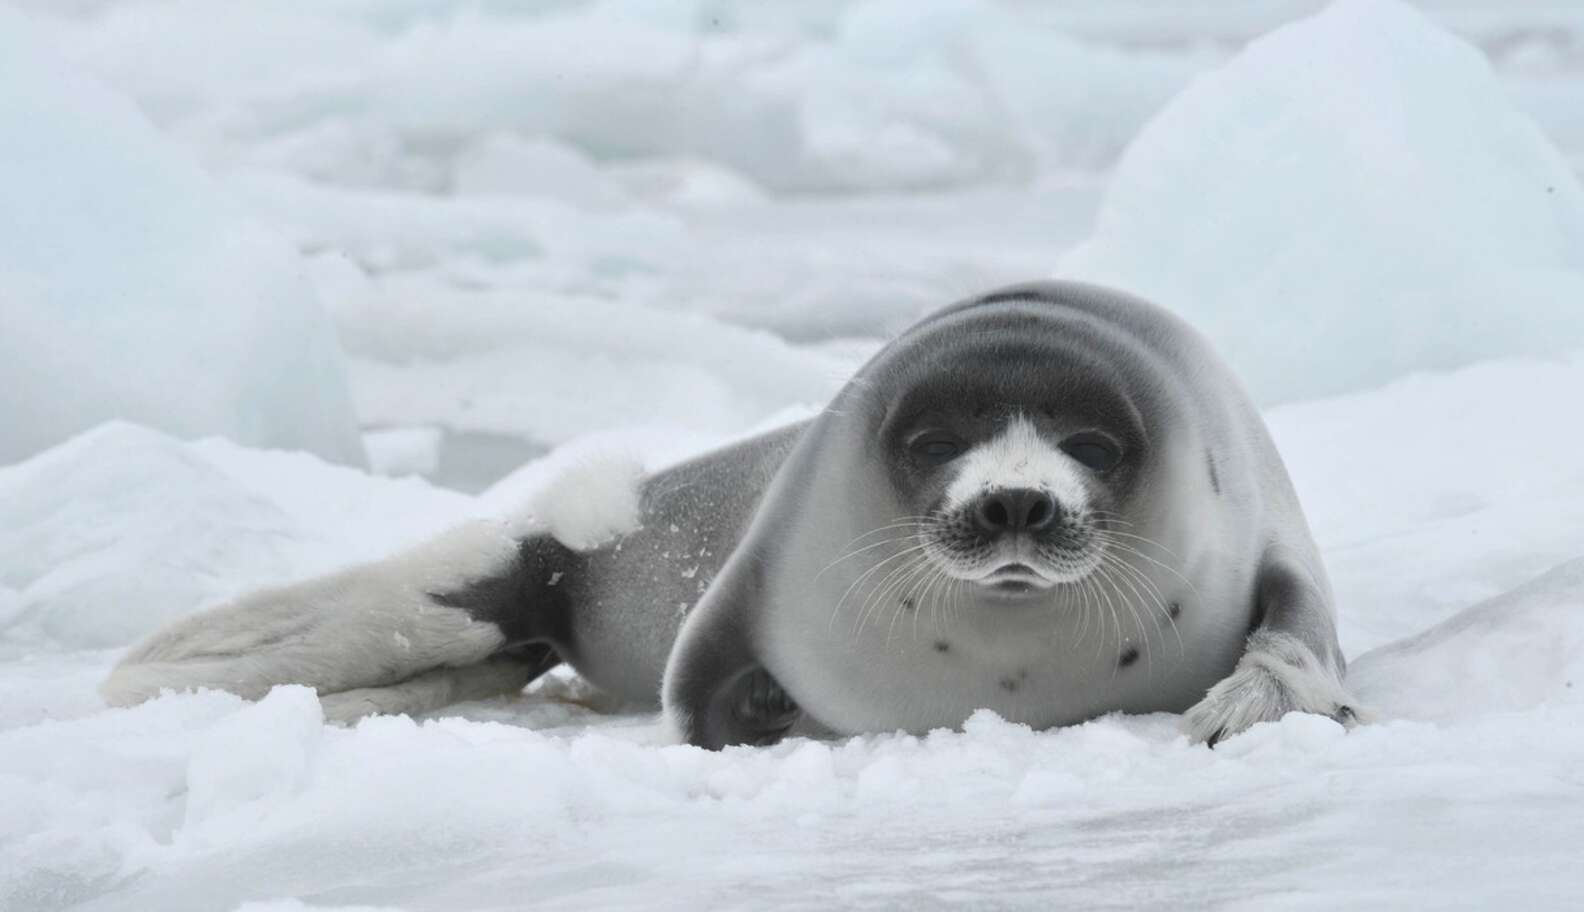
column 1017, row 562
column 1015, row 578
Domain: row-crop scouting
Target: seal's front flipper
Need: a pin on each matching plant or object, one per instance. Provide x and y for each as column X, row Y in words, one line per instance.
column 748, row 707
column 1291, row 662
column 716, row 693
column 762, row 710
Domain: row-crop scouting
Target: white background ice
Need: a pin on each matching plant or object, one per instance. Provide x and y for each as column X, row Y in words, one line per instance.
column 131, row 287
column 644, row 228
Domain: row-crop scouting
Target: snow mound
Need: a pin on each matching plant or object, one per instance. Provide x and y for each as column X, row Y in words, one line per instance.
column 1353, row 197
column 569, row 364
column 1524, row 648
column 258, row 756
column 123, row 529
column 1445, row 521
column 130, row 288
column 403, row 450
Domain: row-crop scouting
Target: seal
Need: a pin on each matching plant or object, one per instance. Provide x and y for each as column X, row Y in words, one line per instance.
column 1053, row 501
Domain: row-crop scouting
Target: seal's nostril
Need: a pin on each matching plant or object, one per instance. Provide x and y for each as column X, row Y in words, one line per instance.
column 1015, row 510
column 1040, row 513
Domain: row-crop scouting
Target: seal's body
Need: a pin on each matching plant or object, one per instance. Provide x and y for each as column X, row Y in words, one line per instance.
column 1053, row 501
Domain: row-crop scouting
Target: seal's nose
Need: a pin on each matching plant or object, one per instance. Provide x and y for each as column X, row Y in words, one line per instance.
column 1015, row 510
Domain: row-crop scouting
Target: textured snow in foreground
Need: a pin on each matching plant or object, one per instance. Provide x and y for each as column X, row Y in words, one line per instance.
column 131, row 287
column 1470, row 789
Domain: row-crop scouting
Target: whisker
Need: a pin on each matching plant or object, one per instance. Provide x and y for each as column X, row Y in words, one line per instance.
column 1127, row 549
column 870, row 547
column 841, row 602
column 909, row 593
column 1138, row 538
column 1153, row 591
column 901, row 522
column 877, row 596
column 1111, row 574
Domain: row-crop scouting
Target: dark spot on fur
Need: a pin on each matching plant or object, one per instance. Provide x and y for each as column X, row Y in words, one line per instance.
column 1215, row 480
column 1175, row 610
column 1129, row 656
column 942, row 646
column 1009, row 685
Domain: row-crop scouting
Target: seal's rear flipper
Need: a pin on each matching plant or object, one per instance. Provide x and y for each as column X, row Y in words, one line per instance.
column 504, row 673
column 416, row 626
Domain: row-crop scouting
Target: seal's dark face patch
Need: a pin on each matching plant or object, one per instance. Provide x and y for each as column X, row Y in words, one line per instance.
column 1013, row 472
column 925, row 446
column 949, row 403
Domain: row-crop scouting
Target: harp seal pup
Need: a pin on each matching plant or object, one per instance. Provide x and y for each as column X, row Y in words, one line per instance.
column 1054, row 501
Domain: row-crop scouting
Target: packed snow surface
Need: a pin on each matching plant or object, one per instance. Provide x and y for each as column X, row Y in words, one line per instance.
column 564, row 237
column 1464, row 637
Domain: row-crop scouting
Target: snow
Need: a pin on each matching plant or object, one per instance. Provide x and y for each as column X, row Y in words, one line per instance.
column 1526, row 645
column 123, row 528
column 131, row 287
column 404, row 450
column 819, row 97
column 557, row 239
column 1454, row 493
column 505, row 163
column 570, row 365
column 203, row 801
column 251, row 760
column 1331, row 233
column 479, row 814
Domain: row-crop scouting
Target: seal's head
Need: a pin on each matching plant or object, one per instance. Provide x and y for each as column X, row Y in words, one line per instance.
column 1015, row 445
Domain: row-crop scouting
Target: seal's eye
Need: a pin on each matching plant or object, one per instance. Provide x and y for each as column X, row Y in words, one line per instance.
column 1096, row 451
column 935, row 447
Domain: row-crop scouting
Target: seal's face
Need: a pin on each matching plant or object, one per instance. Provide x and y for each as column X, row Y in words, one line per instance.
column 1016, row 504
column 1017, row 479
column 1016, row 512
